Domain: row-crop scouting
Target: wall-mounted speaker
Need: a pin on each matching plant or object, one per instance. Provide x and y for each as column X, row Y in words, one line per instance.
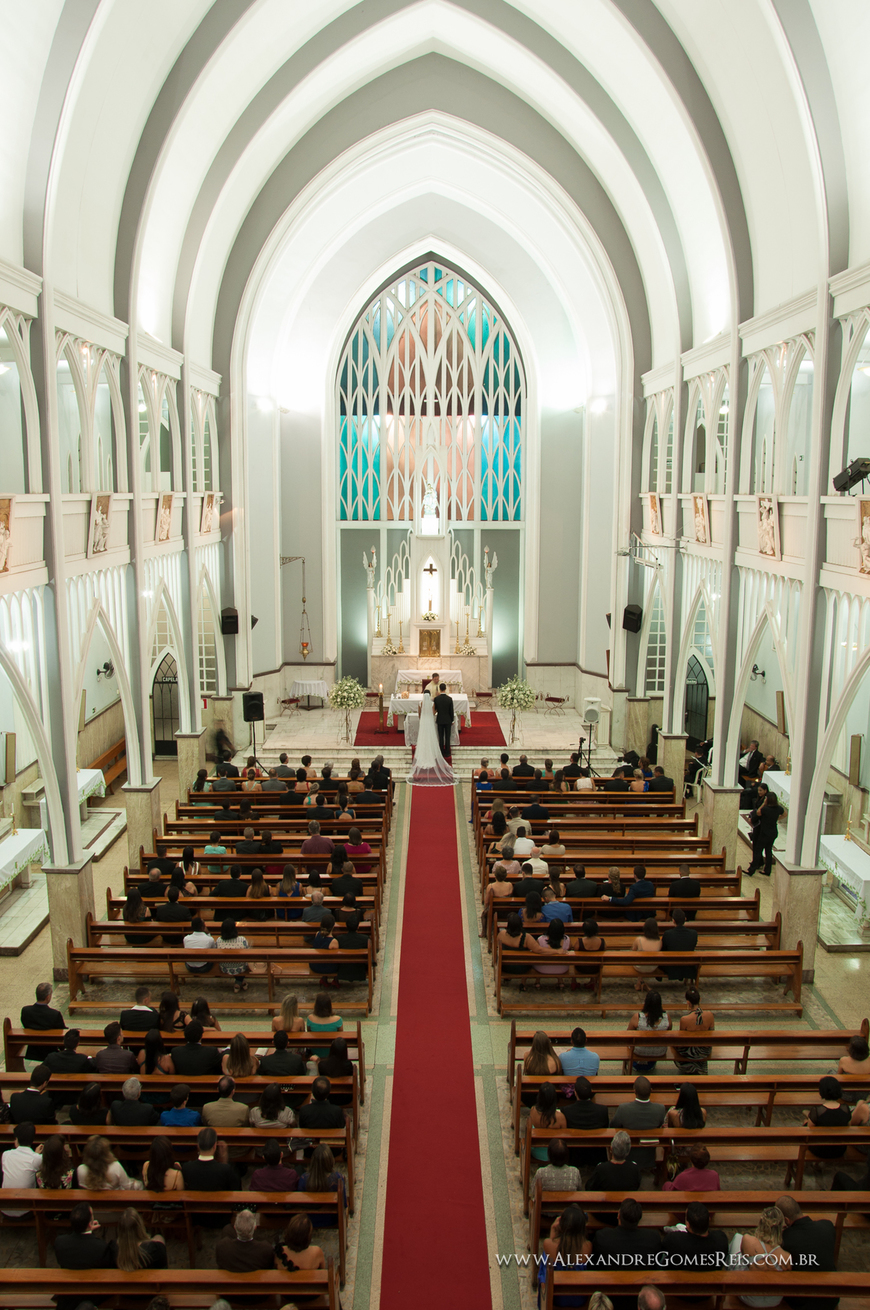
column 252, row 707
column 608, row 617
column 632, row 617
column 229, row 622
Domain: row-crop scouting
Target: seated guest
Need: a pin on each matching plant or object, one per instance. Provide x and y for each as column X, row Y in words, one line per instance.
column 239, row 1061
column 554, row 942
column 651, row 1018
column 135, row 911
column 553, row 909
column 171, row 910
column 764, row 1249
column 280, row 1062
column 322, row 1176
column 197, row 940
column 136, row 1250
column 693, row 1059
column 193, row 1059
column 532, row 912
column 88, row 1110
column 553, row 846
column 34, row 1105
column 523, row 769
column 226, row 1111
column 684, row 888
column 659, row 782
column 503, row 781
column 170, row 1014
column 336, row 1064
column 132, row 1112
column 316, row 911
column 697, row 1248
column 235, row 885
column 259, row 892
column 541, row 1057
column 528, row 884
column 482, row 782
column 637, row 782
column 640, row 1113
column 579, row 1059
column 140, row 1017
column 647, row 942
column 628, row 1244
column 538, row 782
column 557, row 1175
column 580, row 886
column 180, row 1115
column 42, row 1017
column 810, row 1243
column 21, row 1164
column 680, row 938
column 99, row 1170
column 289, row 1020
column 515, row 938
column 354, row 847
column 273, row 783
column 274, row 1175
column 68, row 1059
column 591, row 941
column 155, row 1056
column 153, row 889
column 248, row 845
column 567, row 1247
column 323, row 940
column 240, row 1249
column 500, row 886
column 858, row 1059
column 271, row 1111
column 182, row 873
column 523, row 844
column 545, row 1114
column 641, row 888
column 206, row 1173
column 831, row 1113
column 584, row 1112
column 161, row 1172
column 320, row 1112
column 697, row 1177
column 351, row 939
column 347, row 882
column 322, row 1020
column 295, row 1250
column 231, row 940
column 56, row 1170
column 214, row 846
column 617, row 1174
column 82, row 1248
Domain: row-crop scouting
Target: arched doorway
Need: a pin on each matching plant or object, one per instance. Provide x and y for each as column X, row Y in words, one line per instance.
column 697, row 695
column 164, row 707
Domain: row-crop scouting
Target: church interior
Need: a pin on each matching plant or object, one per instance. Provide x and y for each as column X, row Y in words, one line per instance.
column 456, row 405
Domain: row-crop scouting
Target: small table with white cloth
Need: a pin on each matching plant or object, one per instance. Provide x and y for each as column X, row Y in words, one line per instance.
column 409, row 709
column 314, row 687
column 414, row 677
column 90, row 783
column 779, row 782
column 18, row 850
column 850, row 865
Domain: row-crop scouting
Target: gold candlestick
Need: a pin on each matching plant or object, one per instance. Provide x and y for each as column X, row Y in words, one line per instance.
column 848, row 832
column 378, row 632
column 401, row 649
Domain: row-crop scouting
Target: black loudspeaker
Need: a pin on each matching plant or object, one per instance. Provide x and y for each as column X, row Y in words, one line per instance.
column 229, row 622
column 252, row 707
column 632, row 617
column 607, row 616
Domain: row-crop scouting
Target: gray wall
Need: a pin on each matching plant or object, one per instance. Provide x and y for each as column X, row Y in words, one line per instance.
column 560, row 515
column 506, row 644
column 262, row 530
column 353, row 621
column 301, row 532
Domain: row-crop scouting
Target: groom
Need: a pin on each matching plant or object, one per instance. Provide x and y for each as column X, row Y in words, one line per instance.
column 444, row 718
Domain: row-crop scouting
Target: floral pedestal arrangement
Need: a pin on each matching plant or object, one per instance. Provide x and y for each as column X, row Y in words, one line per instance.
column 515, row 695
column 347, row 694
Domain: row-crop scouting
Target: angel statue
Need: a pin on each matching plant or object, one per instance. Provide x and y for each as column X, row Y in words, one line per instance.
column 863, row 543
column 370, row 568
column 489, row 567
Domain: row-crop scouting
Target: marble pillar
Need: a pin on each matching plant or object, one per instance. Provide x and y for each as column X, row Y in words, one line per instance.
column 70, row 899
column 797, row 895
column 191, row 758
column 618, row 719
column 222, row 715
column 143, row 816
column 721, row 810
column 672, row 758
column 637, row 723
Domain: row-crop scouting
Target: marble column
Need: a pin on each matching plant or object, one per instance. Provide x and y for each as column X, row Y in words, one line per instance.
column 70, row 899
column 797, row 895
column 222, row 714
column 618, row 719
column 672, row 758
column 143, row 816
column 721, row 810
column 191, row 758
column 637, row 723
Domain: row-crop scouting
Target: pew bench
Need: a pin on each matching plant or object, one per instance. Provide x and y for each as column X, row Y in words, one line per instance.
column 270, row 932
column 197, row 1289
column 744, row 933
column 680, row 1285
column 112, row 763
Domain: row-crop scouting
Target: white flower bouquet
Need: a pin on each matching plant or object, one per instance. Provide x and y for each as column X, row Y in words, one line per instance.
column 515, row 695
column 347, row 694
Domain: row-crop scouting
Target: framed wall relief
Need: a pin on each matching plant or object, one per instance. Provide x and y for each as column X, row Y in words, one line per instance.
column 863, row 540
column 768, row 527
column 164, row 517
column 655, row 513
column 6, row 506
column 209, row 507
column 430, row 642
column 98, row 532
column 701, row 520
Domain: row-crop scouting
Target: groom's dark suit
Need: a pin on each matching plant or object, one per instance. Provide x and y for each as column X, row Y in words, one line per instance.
column 444, row 719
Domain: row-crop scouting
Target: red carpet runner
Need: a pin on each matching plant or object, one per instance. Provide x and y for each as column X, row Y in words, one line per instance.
column 485, row 731
column 435, row 1253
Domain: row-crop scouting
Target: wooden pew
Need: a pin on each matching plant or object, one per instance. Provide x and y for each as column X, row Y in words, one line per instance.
column 761, row 1044
column 661, row 870
column 16, row 1041
column 376, row 861
column 135, row 1143
column 274, row 1210
column 706, row 963
column 713, row 1287
column 267, row 964
column 112, row 763
column 271, row 932
column 728, row 1209
column 760, row 1092
column 772, row 1143
column 711, row 932
column 187, row 1287
column 248, row 1090
column 172, row 849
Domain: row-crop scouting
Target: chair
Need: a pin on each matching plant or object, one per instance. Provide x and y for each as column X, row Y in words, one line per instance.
column 695, row 787
column 290, row 705
column 555, row 704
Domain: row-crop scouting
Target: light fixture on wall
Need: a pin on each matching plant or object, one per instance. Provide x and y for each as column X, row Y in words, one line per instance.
column 757, row 673
column 107, row 670
column 852, row 474
column 304, row 625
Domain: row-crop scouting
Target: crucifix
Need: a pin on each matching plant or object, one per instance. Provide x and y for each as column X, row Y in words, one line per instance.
column 431, row 571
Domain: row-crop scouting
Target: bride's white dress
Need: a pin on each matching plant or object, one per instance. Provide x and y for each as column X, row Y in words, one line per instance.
column 430, row 767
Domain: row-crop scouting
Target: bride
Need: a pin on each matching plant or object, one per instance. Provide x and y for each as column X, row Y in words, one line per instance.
column 430, row 767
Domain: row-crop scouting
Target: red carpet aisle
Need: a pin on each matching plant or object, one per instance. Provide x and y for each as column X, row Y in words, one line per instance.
column 435, row 1253
column 485, row 731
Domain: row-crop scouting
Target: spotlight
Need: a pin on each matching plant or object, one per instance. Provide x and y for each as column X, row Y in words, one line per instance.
column 757, row 673
column 853, row 473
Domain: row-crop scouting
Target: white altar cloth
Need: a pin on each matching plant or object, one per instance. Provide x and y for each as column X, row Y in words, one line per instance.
column 414, row 677
column 90, row 783
column 851, row 867
column 779, row 783
column 19, row 850
column 398, row 705
column 316, row 687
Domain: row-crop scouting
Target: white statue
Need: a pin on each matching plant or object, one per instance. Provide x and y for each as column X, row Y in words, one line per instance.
column 430, row 502
column 655, row 526
column 489, row 567
column 370, row 568
column 5, row 540
column 766, row 535
column 101, row 531
column 165, row 519
column 700, row 521
column 864, row 544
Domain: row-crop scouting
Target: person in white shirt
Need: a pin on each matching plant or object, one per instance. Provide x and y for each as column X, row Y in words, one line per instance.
column 197, row 940
column 540, row 868
column 524, row 846
column 21, row 1164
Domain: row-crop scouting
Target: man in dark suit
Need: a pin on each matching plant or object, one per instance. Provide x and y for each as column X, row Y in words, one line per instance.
column 235, row 885
column 40, row 1016
column 523, row 769
column 658, row 782
column 83, row 1248
column 685, row 887
column 503, row 781
column 170, row 911
column 142, row 1016
column 34, row 1105
column 319, row 1111
column 680, row 938
column 750, row 762
column 580, row 885
column 249, row 845
column 378, row 776
column 132, row 1112
column 619, row 781
column 572, row 770
column 585, row 1112
column 222, row 782
column 641, row 888
column 444, row 717
column 640, row 1245
column 283, row 769
column 811, row 1245
column 193, row 1058
column 536, row 813
column 699, row 1248
column 68, row 1059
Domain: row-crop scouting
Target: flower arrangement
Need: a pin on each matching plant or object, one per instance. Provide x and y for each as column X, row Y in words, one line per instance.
column 430, row 617
column 515, row 695
column 347, row 694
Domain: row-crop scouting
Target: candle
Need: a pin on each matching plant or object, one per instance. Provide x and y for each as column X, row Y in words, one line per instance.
column 380, row 687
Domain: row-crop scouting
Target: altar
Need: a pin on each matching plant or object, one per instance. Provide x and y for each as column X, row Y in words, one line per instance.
column 452, row 678
column 408, row 708
column 850, row 866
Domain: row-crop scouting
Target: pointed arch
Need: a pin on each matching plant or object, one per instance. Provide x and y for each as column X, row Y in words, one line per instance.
column 687, row 642
column 54, row 804
column 655, row 600
column 205, row 592
column 163, row 600
column 16, row 328
column 99, row 616
column 767, row 620
column 836, row 723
